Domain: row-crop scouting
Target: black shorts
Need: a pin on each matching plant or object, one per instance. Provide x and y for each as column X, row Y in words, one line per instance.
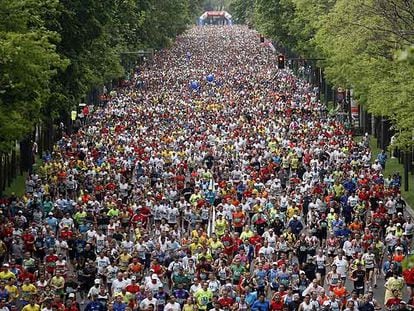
column 322, row 272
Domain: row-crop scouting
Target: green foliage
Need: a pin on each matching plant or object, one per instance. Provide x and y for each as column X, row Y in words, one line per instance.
column 28, row 61
column 307, row 20
column 242, row 11
column 272, row 18
column 363, row 44
column 359, row 40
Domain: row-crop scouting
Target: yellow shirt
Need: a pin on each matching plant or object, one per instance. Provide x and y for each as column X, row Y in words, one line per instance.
column 27, row 290
column 292, row 211
column 220, row 226
column 216, row 245
column 187, row 307
column 13, row 291
column 57, row 281
column 7, row 275
column 124, row 261
column 203, row 298
column 194, row 247
column 246, row 235
column 35, row 307
column 194, row 198
column 137, row 234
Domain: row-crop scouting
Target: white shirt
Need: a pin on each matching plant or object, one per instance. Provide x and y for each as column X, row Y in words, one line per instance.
column 348, row 248
column 102, row 263
column 118, row 286
column 93, row 291
column 172, row 306
column 194, row 288
column 153, row 287
column 342, row 266
column 146, row 302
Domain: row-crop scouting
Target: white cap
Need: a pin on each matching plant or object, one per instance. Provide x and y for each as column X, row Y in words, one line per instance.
column 154, row 276
column 97, row 281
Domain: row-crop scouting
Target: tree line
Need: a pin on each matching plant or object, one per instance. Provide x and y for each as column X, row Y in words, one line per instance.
column 366, row 46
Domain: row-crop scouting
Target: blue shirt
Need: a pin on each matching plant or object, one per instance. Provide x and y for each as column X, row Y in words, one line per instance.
column 119, row 306
column 94, row 306
column 251, row 297
column 260, row 305
column 52, row 222
column 4, row 294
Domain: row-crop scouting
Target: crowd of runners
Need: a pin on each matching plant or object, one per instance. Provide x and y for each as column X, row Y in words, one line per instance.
column 213, row 181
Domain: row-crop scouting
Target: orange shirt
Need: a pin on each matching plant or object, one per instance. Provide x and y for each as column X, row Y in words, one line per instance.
column 355, row 226
column 135, row 268
column 238, row 219
column 339, row 292
column 398, row 258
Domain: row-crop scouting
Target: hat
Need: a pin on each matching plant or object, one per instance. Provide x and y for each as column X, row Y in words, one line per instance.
column 398, row 224
column 399, row 214
column 154, row 276
column 274, row 263
column 97, row 281
column 133, row 278
column 398, row 248
column 71, row 295
column 50, row 214
column 6, row 265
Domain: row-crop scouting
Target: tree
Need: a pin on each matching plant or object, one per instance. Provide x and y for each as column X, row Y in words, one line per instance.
column 272, row 18
column 359, row 40
column 28, row 61
column 242, row 11
column 305, row 22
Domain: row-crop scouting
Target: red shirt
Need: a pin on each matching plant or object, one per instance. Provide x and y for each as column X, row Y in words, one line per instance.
column 393, row 302
column 133, row 289
column 28, row 239
column 139, row 218
column 50, row 261
column 276, row 305
column 225, row 301
column 157, row 269
column 66, row 235
column 227, row 242
column 408, row 275
column 180, row 179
